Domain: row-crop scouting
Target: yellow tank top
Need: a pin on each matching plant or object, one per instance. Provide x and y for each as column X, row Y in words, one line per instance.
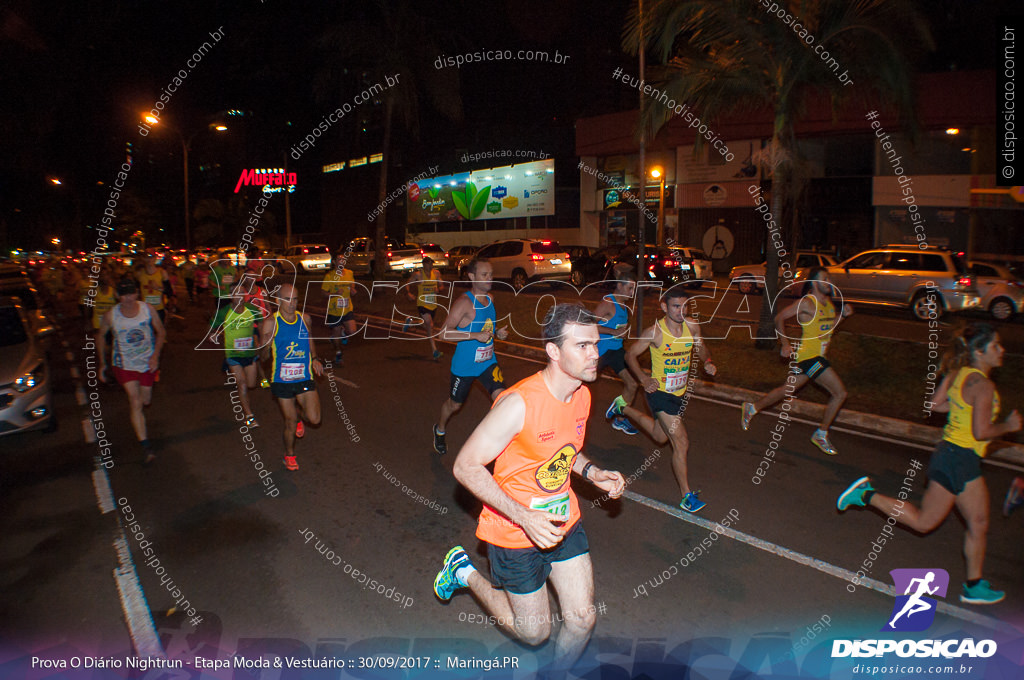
column 959, row 427
column 102, row 303
column 339, row 287
column 670, row 361
column 151, row 287
column 427, row 291
column 817, row 332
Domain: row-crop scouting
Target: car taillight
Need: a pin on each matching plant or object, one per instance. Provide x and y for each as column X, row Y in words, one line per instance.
column 965, row 281
column 650, row 268
column 669, row 263
column 305, row 251
column 422, row 254
column 389, row 253
column 536, row 258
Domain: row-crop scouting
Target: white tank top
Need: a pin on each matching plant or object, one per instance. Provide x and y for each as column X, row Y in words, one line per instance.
column 134, row 340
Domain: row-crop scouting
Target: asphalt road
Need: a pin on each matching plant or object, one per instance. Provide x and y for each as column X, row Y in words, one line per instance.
column 249, row 564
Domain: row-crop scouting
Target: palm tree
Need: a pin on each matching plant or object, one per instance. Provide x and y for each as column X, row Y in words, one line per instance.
column 399, row 40
column 727, row 57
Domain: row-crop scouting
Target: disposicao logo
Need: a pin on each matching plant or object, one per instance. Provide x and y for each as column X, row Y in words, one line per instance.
column 914, row 611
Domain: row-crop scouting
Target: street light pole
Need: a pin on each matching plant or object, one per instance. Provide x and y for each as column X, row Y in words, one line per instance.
column 188, row 230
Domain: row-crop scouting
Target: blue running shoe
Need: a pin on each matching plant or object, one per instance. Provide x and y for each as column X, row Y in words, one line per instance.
column 408, row 322
column 854, row 495
column 446, row 583
column 1014, row 496
column 691, row 503
column 616, row 408
column 981, row 593
column 622, row 424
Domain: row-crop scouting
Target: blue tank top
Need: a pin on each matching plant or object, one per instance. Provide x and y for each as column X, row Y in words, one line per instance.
column 619, row 318
column 471, row 357
column 291, row 350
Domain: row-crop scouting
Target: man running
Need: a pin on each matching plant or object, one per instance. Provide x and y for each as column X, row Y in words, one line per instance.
column 294, row 363
column 817, row 316
column 340, row 286
column 428, row 284
column 531, row 519
column 471, row 323
column 151, row 283
column 614, row 324
column 138, row 338
column 224, row 275
column 671, row 341
column 237, row 324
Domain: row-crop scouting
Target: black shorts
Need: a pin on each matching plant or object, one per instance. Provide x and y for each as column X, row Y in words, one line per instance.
column 491, row 379
column 236, row 361
column 953, row 466
column 669, row 404
column 616, row 358
column 424, row 310
column 524, row 570
column 161, row 313
column 290, row 390
column 333, row 320
column 813, row 367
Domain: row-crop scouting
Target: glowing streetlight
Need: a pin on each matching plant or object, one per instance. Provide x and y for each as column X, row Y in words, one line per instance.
column 55, row 181
column 658, row 173
column 952, row 131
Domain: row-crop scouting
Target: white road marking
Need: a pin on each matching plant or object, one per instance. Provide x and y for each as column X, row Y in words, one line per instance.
column 133, row 603
column 88, row 431
column 80, row 395
column 104, row 496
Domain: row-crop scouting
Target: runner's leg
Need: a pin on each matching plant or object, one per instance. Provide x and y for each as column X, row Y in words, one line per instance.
column 680, row 441
column 935, row 507
column 287, row 407
column 310, row 403
column 829, row 379
column 973, row 505
column 646, row 423
column 777, row 394
column 526, row 617
column 241, row 382
column 573, row 581
column 132, row 389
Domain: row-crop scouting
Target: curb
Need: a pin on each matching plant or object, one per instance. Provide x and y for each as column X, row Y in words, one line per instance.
column 1008, row 452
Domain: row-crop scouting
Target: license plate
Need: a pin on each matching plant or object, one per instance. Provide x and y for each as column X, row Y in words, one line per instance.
column 685, row 267
column 409, row 265
column 556, row 260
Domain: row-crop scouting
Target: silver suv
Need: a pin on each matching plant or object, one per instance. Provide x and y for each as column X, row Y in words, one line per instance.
column 903, row 276
column 523, row 260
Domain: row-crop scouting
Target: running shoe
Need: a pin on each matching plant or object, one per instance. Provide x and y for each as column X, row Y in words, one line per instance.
column 300, row 430
column 408, row 322
column 250, row 421
column 337, row 357
column 291, row 463
column 1014, row 496
column 981, row 593
column 691, row 503
column 616, row 408
column 264, row 383
column 344, row 339
column 439, row 443
column 747, row 411
column 622, row 424
column 446, row 582
column 854, row 495
column 820, row 439
column 438, row 354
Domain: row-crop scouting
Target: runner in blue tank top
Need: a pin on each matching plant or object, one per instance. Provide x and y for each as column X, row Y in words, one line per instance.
column 294, row 364
column 614, row 325
column 471, row 323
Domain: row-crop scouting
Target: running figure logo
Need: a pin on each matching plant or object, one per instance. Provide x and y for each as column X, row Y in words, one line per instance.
column 914, row 611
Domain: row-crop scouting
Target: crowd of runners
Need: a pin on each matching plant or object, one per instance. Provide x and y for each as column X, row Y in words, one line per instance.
column 520, row 457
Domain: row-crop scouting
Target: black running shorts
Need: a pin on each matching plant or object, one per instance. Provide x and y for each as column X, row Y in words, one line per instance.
column 524, row 570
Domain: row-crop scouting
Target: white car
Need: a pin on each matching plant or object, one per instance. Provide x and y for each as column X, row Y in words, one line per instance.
column 694, row 263
column 1002, row 294
column 750, row 278
column 521, row 260
column 309, row 257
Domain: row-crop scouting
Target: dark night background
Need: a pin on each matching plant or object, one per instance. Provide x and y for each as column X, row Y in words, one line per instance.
column 76, row 78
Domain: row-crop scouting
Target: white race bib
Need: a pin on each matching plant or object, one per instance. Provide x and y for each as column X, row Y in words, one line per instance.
column 154, row 299
column 485, row 353
column 341, row 302
column 675, row 381
column 429, row 298
column 293, row 372
column 557, row 504
column 243, row 343
column 228, row 279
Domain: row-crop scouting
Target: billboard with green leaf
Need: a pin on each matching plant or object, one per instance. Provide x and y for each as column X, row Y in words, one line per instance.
column 520, row 190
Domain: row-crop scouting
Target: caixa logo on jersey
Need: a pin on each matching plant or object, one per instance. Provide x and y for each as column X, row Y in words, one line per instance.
column 914, row 611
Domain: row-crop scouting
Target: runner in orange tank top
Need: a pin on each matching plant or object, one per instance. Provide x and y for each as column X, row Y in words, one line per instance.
column 531, row 517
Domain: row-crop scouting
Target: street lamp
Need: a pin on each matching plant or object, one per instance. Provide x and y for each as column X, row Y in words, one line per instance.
column 186, row 144
column 658, row 173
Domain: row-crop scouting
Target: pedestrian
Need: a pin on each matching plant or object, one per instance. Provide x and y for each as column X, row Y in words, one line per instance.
column 968, row 395
column 531, row 521
column 614, row 324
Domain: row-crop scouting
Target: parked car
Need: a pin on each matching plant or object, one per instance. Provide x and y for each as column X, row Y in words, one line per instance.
column 660, row 263
column 1002, row 293
column 905, row 276
column 38, row 321
column 749, row 278
column 521, row 260
column 435, row 253
column 399, row 257
column 309, row 257
column 459, row 255
column 26, row 394
column 588, row 264
column 694, row 262
column 232, row 253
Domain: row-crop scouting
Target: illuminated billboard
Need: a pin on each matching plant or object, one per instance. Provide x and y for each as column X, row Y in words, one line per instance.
column 520, row 190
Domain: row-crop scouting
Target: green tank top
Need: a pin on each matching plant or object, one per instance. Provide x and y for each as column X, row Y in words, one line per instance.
column 239, row 331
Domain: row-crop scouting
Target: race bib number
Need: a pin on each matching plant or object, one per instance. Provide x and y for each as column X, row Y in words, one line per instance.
column 341, row 302
column 292, row 372
column 429, row 298
column 824, row 347
column 243, row 343
column 483, row 354
column 154, row 299
column 557, row 504
column 675, row 381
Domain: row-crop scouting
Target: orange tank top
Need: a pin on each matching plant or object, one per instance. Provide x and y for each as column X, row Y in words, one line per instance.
column 535, row 467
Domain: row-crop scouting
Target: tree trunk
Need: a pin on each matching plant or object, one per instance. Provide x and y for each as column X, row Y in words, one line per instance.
column 379, row 260
column 782, row 166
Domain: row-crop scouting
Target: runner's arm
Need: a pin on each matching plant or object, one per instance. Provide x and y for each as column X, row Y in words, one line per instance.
column 318, row 366
column 982, row 426
column 460, row 314
column 101, row 341
column 702, row 349
column 501, row 424
column 941, row 403
column 161, row 336
column 611, row 481
column 606, row 310
column 650, row 335
column 266, row 337
column 791, row 311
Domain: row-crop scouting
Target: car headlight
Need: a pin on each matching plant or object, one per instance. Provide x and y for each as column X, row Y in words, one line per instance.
column 30, row 379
